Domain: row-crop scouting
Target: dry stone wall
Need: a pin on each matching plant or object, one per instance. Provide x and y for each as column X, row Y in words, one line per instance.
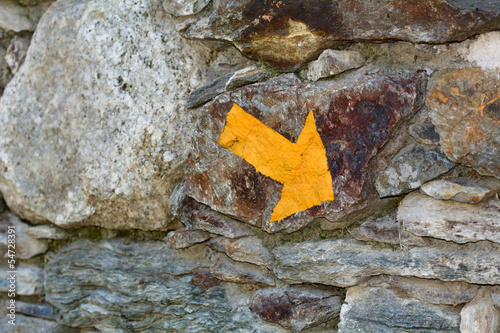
column 250, row 166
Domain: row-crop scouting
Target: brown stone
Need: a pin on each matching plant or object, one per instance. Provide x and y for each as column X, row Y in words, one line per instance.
column 354, row 118
column 286, row 34
column 296, row 308
column 464, row 105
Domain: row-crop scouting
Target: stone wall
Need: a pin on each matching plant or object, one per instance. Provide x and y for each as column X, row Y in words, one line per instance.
column 250, row 166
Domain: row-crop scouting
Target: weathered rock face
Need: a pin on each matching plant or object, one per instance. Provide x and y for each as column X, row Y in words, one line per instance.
column 25, row 246
column 353, row 117
column 296, row 308
column 227, row 270
column 480, row 315
column 386, row 230
column 287, row 34
column 345, row 262
column 29, row 280
column 332, row 62
column 104, row 142
column 464, row 105
column 453, row 221
column 246, row 249
column 144, row 287
column 373, row 306
column 462, row 189
column 412, row 167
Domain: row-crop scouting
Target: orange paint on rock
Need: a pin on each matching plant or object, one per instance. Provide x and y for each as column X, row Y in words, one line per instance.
column 301, row 167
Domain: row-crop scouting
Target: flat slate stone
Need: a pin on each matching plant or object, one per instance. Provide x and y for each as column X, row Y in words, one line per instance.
column 462, row 189
column 228, row 270
column 126, row 285
column 246, row 249
column 354, row 117
column 344, row 262
column 373, row 306
column 450, row 220
column 288, row 34
column 464, row 105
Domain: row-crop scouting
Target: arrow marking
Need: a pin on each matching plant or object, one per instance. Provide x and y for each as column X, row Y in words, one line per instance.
column 301, row 167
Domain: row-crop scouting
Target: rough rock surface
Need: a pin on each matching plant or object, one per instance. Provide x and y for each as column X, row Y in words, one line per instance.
column 410, row 168
column 16, row 52
column 144, row 287
column 433, row 291
column 450, row 220
column 354, row 118
column 374, row 307
column 94, row 132
column 246, row 249
column 296, row 308
column 483, row 51
column 27, row 324
column 424, row 133
column 180, row 239
column 40, row 310
column 47, row 232
column 226, row 269
column 344, row 262
column 29, row 280
column 184, row 7
column 386, row 230
column 226, row 83
column 288, row 34
column 26, row 246
column 462, row 189
column 332, row 62
column 480, row 315
column 464, row 105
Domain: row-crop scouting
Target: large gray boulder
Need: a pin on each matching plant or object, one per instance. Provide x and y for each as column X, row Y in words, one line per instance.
column 95, row 132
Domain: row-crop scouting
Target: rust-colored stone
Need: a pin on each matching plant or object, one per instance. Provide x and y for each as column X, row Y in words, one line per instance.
column 354, row 119
column 464, row 105
column 286, row 34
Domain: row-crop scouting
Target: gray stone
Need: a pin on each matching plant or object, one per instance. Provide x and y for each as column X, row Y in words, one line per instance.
column 424, row 133
column 410, row 168
column 26, row 324
column 386, row 230
column 344, row 262
column 246, row 249
column 296, row 308
column 433, row 291
column 40, row 310
column 95, row 133
column 47, row 232
column 16, row 52
column 26, row 246
column 227, row 270
column 480, row 315
column 5, row 73
column 145, row 287
column 14, row 17
column 332, row 62
column 226, row 83
column 184, row 7
column 374, row 307
column 450, row 220
column 180, row 239
column 462, row 189
column 29, row 280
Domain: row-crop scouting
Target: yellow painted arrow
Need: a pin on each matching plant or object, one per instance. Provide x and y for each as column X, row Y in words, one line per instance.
column 301, row 167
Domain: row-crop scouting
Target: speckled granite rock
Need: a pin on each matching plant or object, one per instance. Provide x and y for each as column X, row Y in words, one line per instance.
column 94, row 133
